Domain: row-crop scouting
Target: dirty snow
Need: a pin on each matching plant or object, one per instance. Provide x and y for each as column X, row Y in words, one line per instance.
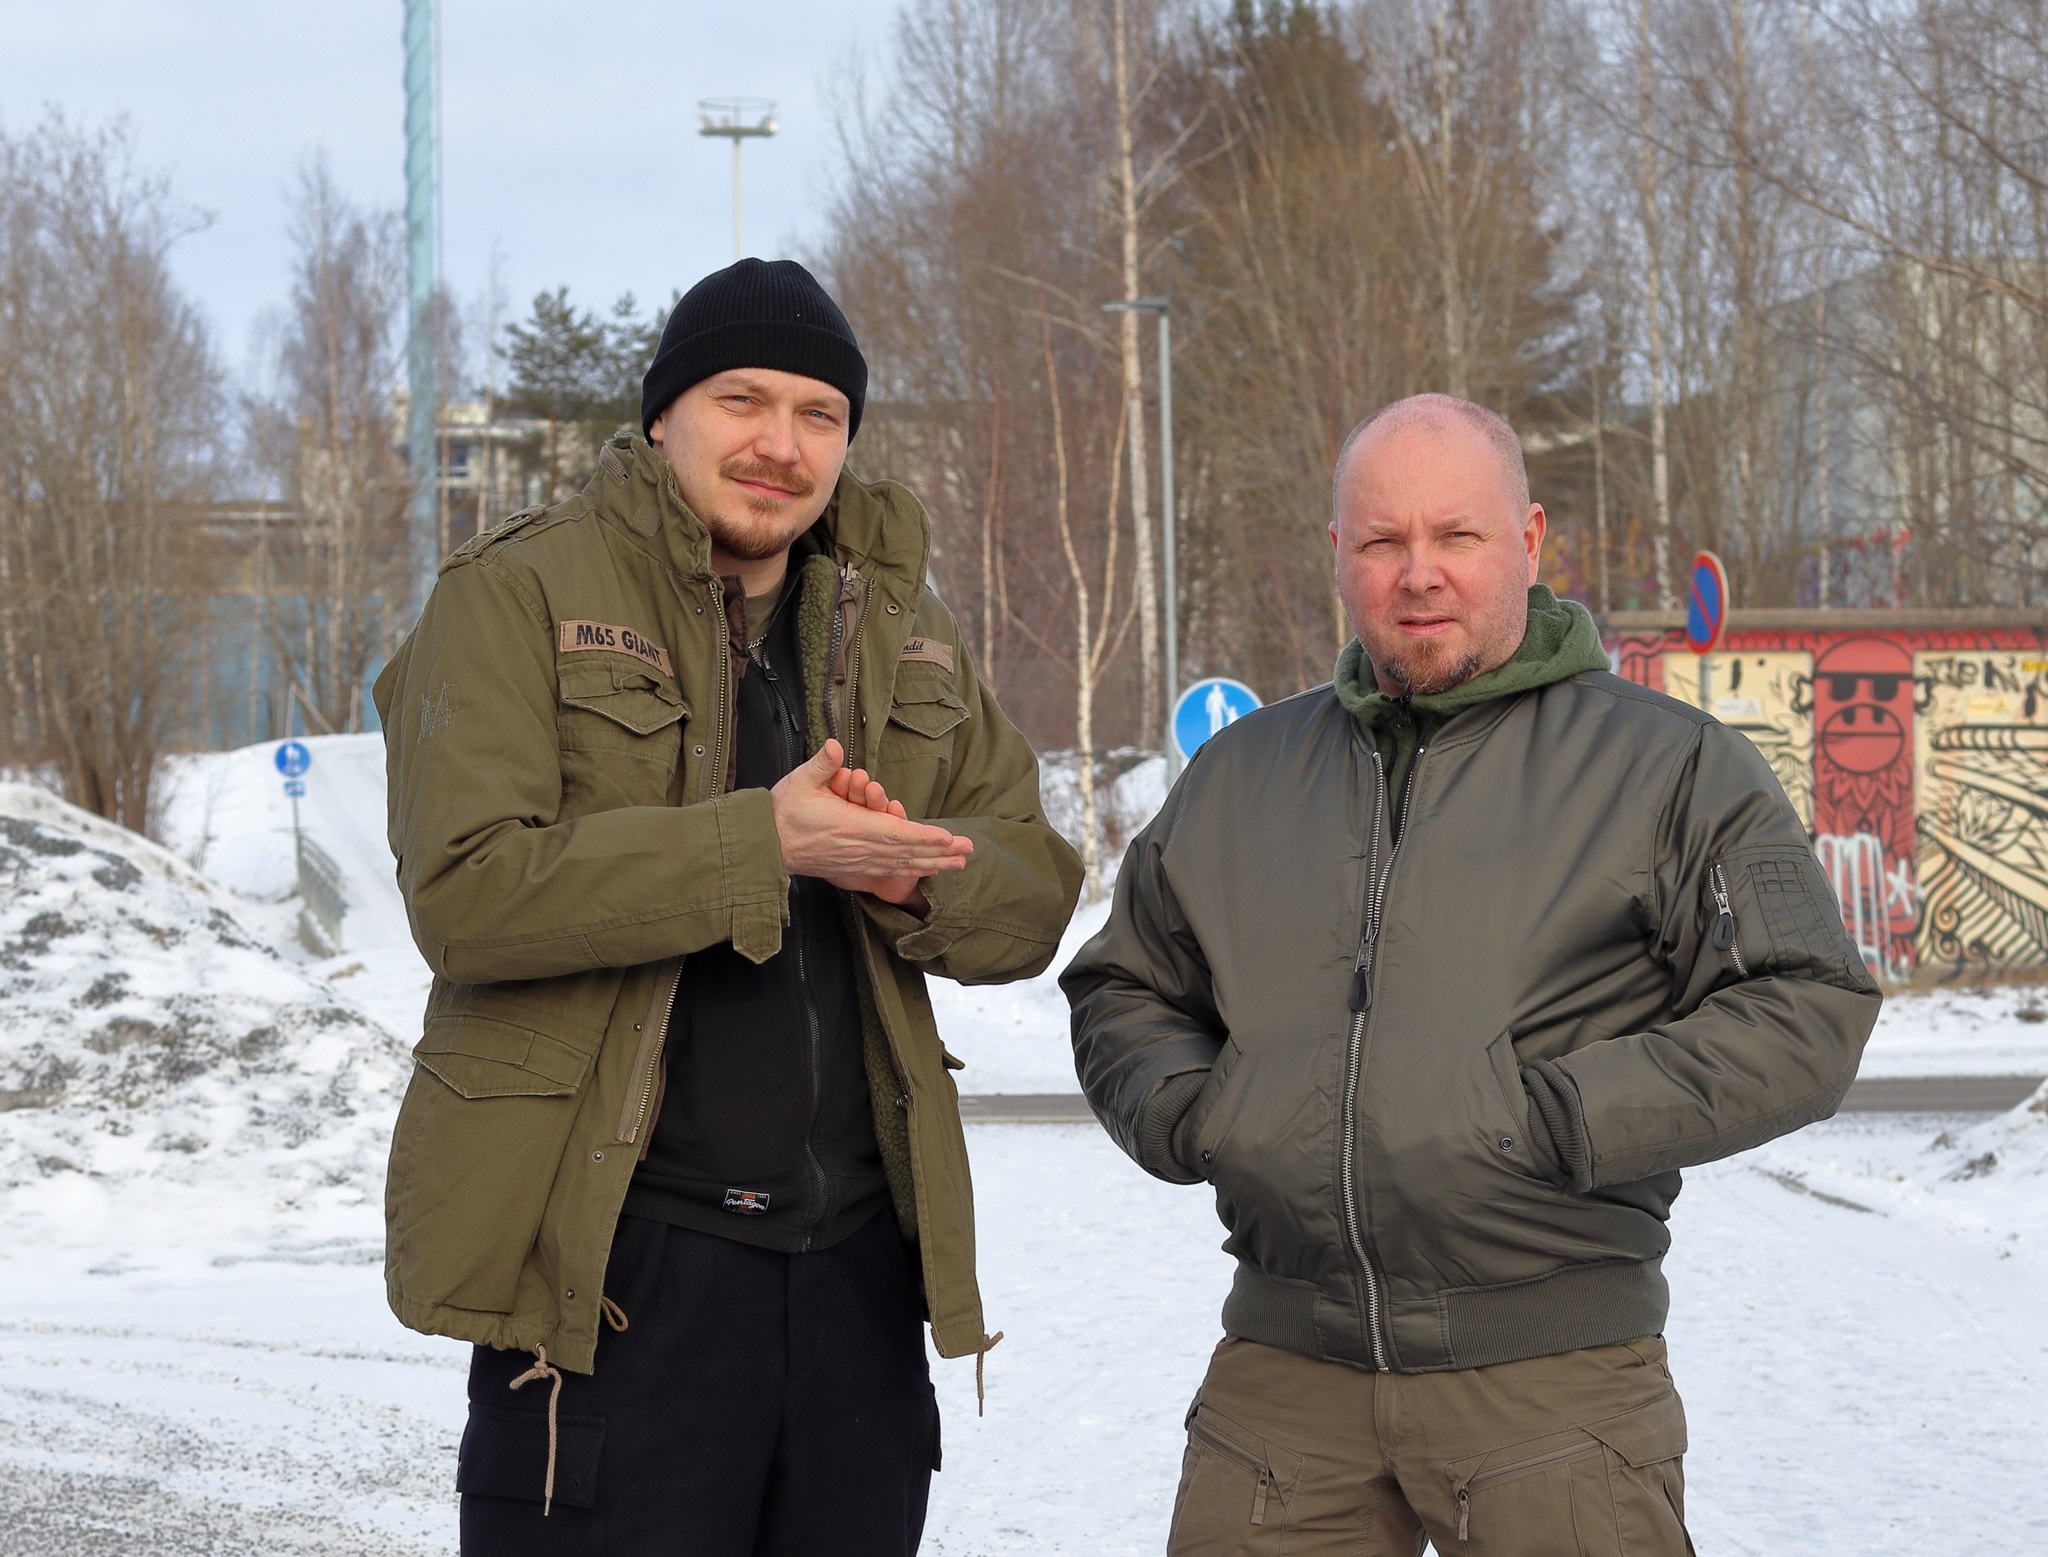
column 197, row 1356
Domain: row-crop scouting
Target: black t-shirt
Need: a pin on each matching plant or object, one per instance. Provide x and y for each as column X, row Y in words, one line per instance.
column 765, row 1133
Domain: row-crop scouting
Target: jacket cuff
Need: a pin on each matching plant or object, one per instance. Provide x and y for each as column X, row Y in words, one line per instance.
column 1557, row 1122
column 750, row 858
column 915, row 939
column 1159, row 1122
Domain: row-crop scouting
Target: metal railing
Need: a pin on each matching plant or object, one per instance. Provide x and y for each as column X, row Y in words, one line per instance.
column 320, row 895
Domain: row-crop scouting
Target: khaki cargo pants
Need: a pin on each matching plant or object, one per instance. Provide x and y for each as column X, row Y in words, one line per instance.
column 1576, row 1455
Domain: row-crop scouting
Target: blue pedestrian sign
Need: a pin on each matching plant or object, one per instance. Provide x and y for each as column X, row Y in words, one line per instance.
column 293, row 759
column 1206, row 708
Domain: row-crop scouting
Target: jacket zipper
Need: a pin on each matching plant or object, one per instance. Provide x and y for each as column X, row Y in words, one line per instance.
column 715, row 769
column 845, row 642
column 1240, row 1456
column 646, row 1061
column 792, row 754
column 1361, row 1004
column 1724, row 922
column 1571, row 1451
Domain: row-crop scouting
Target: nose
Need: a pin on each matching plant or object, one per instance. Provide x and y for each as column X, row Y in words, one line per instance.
column 1420, row 571
column 776, row 438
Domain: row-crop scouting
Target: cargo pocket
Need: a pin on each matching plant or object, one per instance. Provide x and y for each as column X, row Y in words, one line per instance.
column 1236, row 1489
column 619, row 725
column 505, row 1455
column 1609, row 1489
column 478, row 1146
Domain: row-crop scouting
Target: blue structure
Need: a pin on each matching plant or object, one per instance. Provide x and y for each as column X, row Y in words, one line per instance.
column 422, row 268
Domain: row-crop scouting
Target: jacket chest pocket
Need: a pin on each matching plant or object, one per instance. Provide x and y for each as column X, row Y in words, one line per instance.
column 914, row 756
column 619, row 726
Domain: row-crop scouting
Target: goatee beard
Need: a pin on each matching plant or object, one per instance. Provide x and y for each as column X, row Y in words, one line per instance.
column 1426, row 680
column 763, row 539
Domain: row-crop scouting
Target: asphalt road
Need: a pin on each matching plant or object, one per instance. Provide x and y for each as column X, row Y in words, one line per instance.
column 1885, row 1095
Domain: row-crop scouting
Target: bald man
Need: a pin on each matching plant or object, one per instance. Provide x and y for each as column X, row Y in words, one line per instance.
column 1440, row 974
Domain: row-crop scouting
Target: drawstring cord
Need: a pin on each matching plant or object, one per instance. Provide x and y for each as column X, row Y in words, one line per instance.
column 542, row 1369
column 988, row 1344
column 614, row 1315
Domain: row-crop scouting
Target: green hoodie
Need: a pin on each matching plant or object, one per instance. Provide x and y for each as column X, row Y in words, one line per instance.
column 1561, row 640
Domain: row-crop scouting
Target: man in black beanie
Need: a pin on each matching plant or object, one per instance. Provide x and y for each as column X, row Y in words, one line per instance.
column 692, row 783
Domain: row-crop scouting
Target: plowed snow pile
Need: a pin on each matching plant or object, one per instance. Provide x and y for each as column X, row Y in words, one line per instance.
column 145, row 1034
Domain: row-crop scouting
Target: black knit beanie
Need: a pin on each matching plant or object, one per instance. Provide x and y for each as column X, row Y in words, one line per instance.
column 755, row 314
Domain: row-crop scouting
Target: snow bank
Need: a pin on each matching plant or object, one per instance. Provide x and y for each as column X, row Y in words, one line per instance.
column 145, row 1032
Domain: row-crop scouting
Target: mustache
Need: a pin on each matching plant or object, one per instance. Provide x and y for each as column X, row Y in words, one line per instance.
column 788, row 477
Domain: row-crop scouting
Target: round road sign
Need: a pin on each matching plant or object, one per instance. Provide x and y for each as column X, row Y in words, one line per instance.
column 1206, row 708
column 1706, row 606
column 293, row 759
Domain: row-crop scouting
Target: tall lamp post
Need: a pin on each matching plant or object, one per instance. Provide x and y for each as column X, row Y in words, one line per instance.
column 1162, row 309
column 737, row 119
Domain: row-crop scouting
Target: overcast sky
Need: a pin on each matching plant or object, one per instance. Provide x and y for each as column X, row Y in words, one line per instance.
column 569, row 147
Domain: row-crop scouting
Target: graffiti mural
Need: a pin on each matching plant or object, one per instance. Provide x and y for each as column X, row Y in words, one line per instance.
column 1863, row 715
column 1917, row 756
column 1983, row 810
column 1766, row 696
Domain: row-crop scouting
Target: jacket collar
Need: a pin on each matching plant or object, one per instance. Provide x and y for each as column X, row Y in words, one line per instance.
column 875, row 526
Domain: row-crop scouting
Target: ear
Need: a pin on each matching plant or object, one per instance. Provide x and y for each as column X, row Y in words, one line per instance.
column 659, row 431
column 1533, row 530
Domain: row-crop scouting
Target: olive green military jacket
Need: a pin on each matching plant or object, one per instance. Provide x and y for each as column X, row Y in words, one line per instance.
column 558, row 729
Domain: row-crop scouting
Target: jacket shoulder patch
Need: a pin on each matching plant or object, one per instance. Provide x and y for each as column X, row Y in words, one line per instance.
column 603, row 637
column 928, row 650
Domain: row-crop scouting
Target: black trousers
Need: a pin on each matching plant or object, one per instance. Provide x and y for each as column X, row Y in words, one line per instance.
column 757, row 1405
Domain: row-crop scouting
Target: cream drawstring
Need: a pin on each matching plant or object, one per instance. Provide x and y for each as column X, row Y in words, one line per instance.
column 614, row 1315
column 988, row 1344
column 542, row 1369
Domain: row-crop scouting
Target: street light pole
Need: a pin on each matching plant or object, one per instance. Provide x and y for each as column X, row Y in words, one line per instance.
column 1162, row 309
column 737, row 119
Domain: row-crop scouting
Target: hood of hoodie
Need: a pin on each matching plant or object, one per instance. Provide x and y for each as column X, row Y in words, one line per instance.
column 1561, row 640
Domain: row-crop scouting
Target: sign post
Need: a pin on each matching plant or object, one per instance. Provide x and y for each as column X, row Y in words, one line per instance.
column 293, row 759
column 1206, row 709
column 1706, row 618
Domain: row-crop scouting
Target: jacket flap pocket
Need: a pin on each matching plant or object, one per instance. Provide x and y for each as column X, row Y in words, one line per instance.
column 932, row 715
column 628, row 695
column 1647, row 1434
column 480, row 1057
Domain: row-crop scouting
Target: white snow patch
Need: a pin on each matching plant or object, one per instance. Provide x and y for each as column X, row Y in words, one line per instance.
column 146, row 1034
column 1967, row 1030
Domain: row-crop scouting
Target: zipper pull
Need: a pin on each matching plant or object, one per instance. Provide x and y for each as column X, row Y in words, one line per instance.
column 1259, row 1498
column 1724, row 921
column 1464, row 1515
column 1361, row 987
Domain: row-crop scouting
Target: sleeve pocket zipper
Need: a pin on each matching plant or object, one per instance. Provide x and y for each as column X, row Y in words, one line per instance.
column 1485, row 1478
column 1724, row 922
column 1238, row 1455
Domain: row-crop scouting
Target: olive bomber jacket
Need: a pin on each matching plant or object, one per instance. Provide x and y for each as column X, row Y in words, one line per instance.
column 1600, row 899
column 557, row 730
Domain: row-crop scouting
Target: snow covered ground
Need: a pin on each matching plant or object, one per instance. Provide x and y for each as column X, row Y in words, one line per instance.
column 195, row 1355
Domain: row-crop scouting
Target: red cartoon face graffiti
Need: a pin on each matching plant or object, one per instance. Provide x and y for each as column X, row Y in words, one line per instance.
column 1863, row 704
